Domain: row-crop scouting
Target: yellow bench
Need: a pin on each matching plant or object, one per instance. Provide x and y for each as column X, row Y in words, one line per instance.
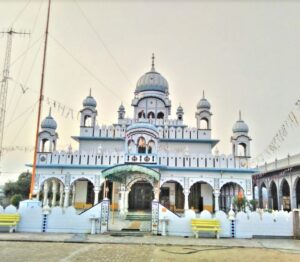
column 205, row 225
column 9, row 220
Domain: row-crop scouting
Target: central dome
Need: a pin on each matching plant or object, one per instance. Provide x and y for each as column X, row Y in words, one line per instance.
column 152, row 81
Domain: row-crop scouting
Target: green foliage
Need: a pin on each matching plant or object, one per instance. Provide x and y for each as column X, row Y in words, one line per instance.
column 21, row 186
column 253, row 204
column 240, row 203
column 15, row 200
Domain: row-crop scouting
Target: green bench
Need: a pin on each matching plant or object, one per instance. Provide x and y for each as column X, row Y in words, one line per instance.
column 9, row 220
column 205, row 225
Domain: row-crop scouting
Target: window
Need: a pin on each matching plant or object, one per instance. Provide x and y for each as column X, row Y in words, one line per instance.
column 141, row 145
column 160, row 115
column 151, row 115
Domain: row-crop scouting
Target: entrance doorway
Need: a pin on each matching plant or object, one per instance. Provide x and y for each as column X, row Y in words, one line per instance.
column 140, row 196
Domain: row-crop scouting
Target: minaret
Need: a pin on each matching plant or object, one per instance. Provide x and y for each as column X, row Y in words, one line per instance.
column 240, row 139
column 203, row 114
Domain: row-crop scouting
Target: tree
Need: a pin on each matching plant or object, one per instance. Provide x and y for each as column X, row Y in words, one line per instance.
column 21, row 186
column 15, row 200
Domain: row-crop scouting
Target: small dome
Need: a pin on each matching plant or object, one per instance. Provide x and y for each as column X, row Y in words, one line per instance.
column 121, row 108
column 49, row 122
column 89, row 101
column 203, row 103
column 152, row 81
column 179, row 110
column 240, row 126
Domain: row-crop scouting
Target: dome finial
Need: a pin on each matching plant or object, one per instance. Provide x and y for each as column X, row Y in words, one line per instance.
column 203, row 95
column 240, row 115
column 152, row 65
column 50, row 111
column 90, row 91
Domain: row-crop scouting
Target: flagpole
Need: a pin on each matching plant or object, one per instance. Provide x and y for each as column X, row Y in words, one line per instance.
column 40, row 105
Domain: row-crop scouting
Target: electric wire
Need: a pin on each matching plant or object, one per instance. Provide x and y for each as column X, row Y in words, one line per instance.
column 103, row 43
column 85, row 68
column 23, row 60
column 20, row 13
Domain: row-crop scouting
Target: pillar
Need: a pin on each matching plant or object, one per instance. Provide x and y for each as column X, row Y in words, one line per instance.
column 96, row 195
column 73, row 193
column 67, row 194
column 54, row 191
column 61, row 191
column 186, row 193
column 216, row 195
column 121, row 203
column 126, row 201
column 46, row 190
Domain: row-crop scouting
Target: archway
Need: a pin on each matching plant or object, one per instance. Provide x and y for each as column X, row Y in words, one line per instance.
column 201, row 197
column 263, row 196
column 273, row 198
column 82, row 193
column 297, row 193
column 171, row 196
column 285, row 193
column 51, row 192
column 229, row 194
column 108, row 191
column 140, row 196
column 255, row 196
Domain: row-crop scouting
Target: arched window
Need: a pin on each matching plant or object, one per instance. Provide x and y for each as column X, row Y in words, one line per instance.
column 87, row 121
column 141, row 114
column 131, row 147
column 45, row 145
column 241, row 149
column 160, row 115
column 151, row 147
column 141, row 145
column 204, row 123
column 151, row 115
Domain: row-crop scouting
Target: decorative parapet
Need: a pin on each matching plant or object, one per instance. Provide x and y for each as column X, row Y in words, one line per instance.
column 164, row 159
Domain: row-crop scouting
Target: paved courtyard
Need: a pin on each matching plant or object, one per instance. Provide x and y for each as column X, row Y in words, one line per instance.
column 81, row 247
column 43, row 251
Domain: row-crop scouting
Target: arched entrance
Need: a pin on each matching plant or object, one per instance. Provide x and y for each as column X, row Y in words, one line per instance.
column 229, row 194
column 273, row 196
column 297, row 193
column 82, row 193
column 263, row 196
column 201, row 197
column 171, row 196
column 140, row 196
column 285, row 192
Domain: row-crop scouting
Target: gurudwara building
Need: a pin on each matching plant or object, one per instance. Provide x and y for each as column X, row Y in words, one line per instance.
column 144, row 157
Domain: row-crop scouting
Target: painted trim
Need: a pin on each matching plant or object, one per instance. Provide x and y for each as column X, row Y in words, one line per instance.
column 94, row 138
column 160, row 167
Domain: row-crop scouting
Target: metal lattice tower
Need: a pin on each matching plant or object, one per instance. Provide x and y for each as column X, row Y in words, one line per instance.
column 4, row 82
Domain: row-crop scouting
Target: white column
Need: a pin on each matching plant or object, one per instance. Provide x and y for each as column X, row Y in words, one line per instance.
column 54, row 191
column 61, row 191
column 217, row 208
column 186, row 193
column 96, row 196
column 66, row 201
column 126, row 201
column 73, row 193
column 38, row 195
column 121, row 202
column 46, row 189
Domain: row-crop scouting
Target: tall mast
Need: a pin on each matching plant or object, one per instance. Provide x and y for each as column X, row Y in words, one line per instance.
column 40, row 105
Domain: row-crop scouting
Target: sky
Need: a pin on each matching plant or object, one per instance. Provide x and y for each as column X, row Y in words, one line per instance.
column 244, row 54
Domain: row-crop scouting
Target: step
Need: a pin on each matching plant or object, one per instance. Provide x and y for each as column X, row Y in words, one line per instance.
column 138, row 218
column 127, row 233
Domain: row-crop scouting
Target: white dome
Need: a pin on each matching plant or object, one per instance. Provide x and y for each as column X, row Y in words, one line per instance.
column 89, row 101
column 49, row 123
column 152, row 81
column 240, row 127
column 203, row 104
